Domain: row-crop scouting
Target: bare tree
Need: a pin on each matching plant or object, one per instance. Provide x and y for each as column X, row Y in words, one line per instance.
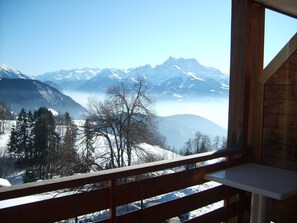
column 124, row 119
column 5, row 114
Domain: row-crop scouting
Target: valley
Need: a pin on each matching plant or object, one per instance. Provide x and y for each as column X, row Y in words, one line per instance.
column 187, row 96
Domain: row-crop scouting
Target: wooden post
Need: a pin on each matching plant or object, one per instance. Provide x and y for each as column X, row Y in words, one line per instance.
column 247, row 46
column 254, row 66
column 112, row 206
column 247, row 50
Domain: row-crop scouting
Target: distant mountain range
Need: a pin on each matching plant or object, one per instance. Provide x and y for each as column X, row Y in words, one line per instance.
column 174, row 79
column 18, row 91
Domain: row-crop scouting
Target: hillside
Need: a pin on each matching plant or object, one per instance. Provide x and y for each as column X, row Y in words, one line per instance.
column 179, row 128
column 141, row 155
column 32, row 94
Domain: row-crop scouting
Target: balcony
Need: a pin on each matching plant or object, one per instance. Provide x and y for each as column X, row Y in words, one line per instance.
column 107, row 191
column 262, row 116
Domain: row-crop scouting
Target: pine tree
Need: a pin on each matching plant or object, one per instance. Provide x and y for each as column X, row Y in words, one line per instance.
column 46, row 143
column 12, row 144
column 20, row 143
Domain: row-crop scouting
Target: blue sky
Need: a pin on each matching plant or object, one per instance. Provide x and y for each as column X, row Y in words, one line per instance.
column 38, row 36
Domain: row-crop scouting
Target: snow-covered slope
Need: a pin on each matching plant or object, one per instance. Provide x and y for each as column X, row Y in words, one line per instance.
column 8, row 72
column 141, row 155
column 4, row 138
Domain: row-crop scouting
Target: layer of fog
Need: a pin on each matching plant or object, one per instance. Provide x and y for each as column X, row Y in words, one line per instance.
column 215, row 110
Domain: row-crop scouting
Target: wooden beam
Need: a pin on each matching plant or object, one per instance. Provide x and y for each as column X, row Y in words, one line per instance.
column 238, row 48
column 279, row 60
column 247, row 47
column 254, row 67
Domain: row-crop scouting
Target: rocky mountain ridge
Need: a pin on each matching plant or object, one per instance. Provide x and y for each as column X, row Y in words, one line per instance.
column 174, row 79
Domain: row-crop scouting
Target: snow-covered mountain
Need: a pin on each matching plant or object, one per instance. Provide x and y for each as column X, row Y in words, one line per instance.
column 18, row 91
column 71, row 75
column 8, row 72
column 69, row 79
column 175, row 78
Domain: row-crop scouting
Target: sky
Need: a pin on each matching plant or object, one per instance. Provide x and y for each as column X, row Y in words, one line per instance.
column 38, row 36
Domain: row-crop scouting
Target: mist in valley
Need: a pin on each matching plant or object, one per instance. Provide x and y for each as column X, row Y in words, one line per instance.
column 213, row 109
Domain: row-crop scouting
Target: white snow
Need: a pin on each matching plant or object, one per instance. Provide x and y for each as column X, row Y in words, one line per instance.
column 177, row 67
column 177, row 95
column 191, row 74
column 4, row 138
column 4, row 183
column 224, row 86
column 11, row 72
column 54, row 112
column 115, row 76
column 7, row 68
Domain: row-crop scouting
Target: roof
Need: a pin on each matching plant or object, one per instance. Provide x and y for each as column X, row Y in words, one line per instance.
column 288, row 7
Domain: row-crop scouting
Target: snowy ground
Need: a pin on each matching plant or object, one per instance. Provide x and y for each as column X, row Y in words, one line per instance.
column 142, row 154
column 100, row 145
column 4, row 138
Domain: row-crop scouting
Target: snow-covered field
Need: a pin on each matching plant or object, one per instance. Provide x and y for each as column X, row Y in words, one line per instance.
column 142, row 154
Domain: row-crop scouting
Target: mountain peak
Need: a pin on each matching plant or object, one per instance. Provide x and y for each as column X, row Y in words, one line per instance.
column 173, row 60
column 184, row 64
column 8, row 72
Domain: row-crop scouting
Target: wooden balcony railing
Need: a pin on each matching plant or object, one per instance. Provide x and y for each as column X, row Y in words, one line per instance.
column 107, row 190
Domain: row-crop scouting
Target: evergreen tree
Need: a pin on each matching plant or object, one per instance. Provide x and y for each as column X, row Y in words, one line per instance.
column 20, row 143
column 12, row 144
column 46, row 143
column 40, row 150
